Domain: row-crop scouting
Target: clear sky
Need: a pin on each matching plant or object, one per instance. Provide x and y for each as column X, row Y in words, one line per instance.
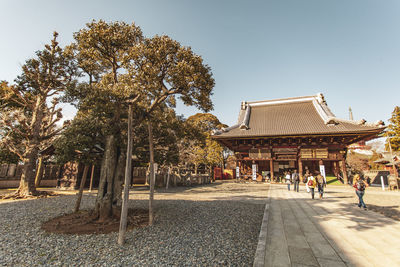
column 349, row 50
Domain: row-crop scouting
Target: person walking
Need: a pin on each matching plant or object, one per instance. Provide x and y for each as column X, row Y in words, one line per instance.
column 296, row 180
column 288, row 182
column 321, row 184
column 311, row 185
column 306, row 176
column 360, row 185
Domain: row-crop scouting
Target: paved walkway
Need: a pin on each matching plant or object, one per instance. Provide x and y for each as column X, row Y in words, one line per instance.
column 298, row 231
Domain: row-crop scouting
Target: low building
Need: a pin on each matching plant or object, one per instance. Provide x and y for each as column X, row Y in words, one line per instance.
column 300, row 133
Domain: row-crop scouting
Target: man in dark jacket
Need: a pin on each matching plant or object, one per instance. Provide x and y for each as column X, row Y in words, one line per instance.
column 296, row 180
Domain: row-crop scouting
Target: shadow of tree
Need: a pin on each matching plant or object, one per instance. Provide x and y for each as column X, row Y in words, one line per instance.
column 211, row 188
column 208, row 231
column 388, row 211
column 360, row 219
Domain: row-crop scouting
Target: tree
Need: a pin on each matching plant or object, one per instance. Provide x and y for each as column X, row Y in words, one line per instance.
column 80, row 142
column 27, row 122
column 101, row 49
column 375, row 166
column 393, row 130
column 162, row 68
column 168, row 130
column 357, row 162
column 203, row 149
column 142, row 72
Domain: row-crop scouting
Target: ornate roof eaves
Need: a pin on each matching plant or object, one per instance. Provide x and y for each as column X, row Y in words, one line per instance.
column 319, row 104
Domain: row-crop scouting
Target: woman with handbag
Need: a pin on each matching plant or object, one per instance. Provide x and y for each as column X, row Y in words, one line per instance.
column 311, row 185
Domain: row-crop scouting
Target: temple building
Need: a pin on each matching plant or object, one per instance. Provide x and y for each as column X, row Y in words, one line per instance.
column 300, row 133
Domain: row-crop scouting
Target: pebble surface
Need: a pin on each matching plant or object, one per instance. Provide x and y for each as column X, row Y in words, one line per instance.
column 209, row 225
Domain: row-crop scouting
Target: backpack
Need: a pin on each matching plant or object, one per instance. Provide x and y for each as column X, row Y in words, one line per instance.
column 320, row 180
column 360, row 186
column 310, row 183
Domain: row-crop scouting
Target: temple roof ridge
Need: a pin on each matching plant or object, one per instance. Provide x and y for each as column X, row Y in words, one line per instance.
column 281, row 100
column 302, row 107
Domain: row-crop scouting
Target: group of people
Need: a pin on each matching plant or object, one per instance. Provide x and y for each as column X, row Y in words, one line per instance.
column 319, row 182
column 313, row 182
column 292, row 178
column 310, row 181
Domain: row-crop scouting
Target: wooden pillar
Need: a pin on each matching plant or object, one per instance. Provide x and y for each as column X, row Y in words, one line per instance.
column 335, row 168
column 300, row 169
column 344, row 170
column 240, row 169
column 271, row 167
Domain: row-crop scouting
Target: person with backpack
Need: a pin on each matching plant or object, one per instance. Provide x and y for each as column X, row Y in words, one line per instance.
column 311, row 185
column 320, row 183
column 296, row 180
column 360, row 185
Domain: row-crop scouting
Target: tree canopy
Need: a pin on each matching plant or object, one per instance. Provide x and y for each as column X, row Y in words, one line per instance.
column 393, row 130
column 201, row 149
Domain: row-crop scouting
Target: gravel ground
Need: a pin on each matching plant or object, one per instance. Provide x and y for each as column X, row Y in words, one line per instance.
column 209, row 225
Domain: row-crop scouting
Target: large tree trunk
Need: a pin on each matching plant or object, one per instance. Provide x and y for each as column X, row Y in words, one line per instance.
column 109, row 194
column 119, row 182
column 27, row 182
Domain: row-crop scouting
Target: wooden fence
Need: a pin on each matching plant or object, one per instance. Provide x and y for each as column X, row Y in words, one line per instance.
column 177, row 177
column 10, row 175
column 69, row 176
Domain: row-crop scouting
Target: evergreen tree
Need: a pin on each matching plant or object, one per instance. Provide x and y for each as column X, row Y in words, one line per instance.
column 393, row 130
column 202, row 149
column 122, row 67
column 29, row 108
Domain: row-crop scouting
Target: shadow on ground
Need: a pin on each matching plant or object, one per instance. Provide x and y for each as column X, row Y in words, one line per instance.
column 185, row 233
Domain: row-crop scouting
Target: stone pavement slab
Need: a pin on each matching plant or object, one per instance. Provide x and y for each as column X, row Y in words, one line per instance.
column 324, row 232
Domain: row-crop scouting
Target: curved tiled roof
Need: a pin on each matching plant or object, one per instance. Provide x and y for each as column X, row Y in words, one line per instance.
column 308, row 115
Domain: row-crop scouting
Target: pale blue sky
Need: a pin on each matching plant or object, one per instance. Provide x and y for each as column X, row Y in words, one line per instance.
column 347, row 49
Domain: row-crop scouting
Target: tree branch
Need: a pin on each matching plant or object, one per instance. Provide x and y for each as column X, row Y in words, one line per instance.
column 56, row 132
